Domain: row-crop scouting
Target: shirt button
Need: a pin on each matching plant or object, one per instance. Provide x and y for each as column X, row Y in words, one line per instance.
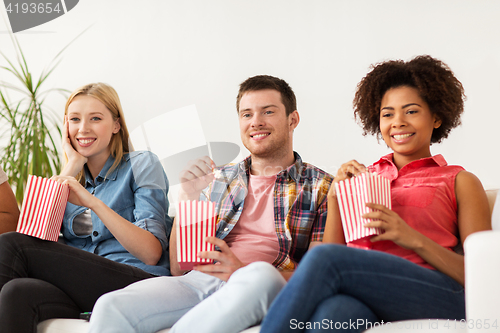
column 95, row 233
column 226, row 229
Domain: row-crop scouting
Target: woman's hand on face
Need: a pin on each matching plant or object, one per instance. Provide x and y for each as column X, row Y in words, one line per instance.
column 78, row 195
column 346, row 171
column 394, row 227
column 73, row 156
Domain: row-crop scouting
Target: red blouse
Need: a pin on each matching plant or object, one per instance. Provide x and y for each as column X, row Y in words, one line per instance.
column 423, row 195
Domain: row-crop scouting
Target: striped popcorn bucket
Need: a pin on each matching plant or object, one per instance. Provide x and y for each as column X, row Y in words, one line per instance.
column 196, row 220
column 43, row 208
column 353, row 195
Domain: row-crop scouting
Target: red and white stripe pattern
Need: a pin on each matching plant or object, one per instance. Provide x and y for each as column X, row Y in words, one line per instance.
column 43, row 208
column 196, row 220
column 353, row 195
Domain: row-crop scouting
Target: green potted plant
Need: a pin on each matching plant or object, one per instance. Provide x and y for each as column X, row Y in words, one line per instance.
column 32, row 127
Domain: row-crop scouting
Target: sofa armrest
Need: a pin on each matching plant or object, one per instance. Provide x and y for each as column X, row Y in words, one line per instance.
column 482, row 278
column 494, row 201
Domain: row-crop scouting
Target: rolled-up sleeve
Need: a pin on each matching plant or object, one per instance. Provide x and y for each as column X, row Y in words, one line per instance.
column 321, row 210
column 151, row 197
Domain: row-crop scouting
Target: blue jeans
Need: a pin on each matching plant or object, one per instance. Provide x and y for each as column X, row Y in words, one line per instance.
column 195, row 302
column 337, row 287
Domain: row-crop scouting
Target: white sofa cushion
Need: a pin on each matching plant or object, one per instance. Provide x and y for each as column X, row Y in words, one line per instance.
column 82, row 326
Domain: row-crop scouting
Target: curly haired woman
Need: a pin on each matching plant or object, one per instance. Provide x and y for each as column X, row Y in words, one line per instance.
column 413, row 269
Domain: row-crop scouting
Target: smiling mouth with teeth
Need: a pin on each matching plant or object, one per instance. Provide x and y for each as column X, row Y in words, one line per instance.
column 86, row 141
column 402, row 136
column 259, row 135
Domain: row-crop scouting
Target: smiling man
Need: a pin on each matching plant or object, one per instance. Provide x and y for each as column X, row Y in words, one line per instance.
column 271, row 207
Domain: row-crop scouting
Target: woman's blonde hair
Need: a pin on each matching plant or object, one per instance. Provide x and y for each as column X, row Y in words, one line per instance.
column 119, row 143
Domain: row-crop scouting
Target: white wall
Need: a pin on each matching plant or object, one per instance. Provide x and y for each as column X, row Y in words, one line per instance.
column 163, row 55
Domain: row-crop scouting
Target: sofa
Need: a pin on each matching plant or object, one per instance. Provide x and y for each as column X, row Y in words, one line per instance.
column 482, row 278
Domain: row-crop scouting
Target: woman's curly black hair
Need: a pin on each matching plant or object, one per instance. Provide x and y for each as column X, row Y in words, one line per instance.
column 433, row 79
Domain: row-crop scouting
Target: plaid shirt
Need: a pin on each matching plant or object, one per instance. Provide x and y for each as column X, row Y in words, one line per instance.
column 299, row 205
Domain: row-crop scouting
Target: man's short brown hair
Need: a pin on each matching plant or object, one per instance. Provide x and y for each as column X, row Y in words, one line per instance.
column 262, row 82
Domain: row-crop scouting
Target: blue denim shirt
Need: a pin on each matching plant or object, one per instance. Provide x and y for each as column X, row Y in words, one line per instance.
column 136, row 190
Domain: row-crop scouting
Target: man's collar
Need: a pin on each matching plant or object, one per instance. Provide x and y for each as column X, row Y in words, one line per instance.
column 292, row 170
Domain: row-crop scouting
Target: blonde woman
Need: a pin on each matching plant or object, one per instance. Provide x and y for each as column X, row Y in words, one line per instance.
column 115, row 225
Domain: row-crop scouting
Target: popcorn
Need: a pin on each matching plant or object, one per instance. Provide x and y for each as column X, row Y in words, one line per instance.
column 43, row 208
column 217, row 173
column 196, row 220
column 353, row 195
